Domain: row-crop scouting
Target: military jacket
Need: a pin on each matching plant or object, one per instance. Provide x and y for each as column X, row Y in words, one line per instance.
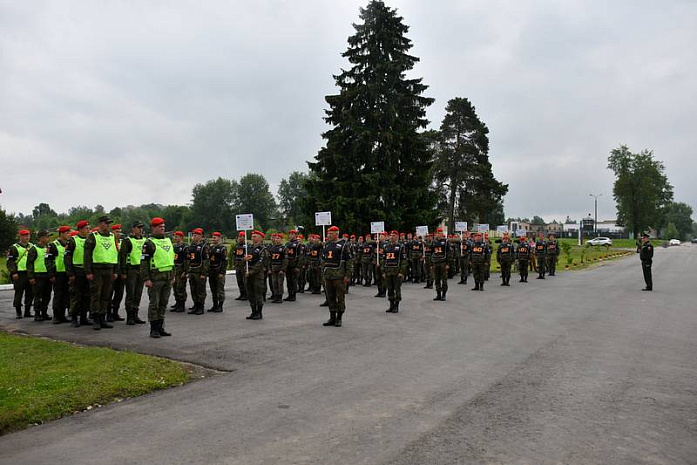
column 336, row 261
column 239, row 253
column 277, row 257
column 199, row 259
column 552, row 248
column 15, row 254
column 522, row 252
column 541, row 248
column 314, row 253
column 505, row 253
column 368, row 252
column 646, row 254
column 292, row 253
column 440, row 250
column 218, row 258
column 258, row 263
column 479, row 253
column 180, row 254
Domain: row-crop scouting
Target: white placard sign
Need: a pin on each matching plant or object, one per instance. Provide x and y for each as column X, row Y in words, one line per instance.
column 502, row 228
column 482, row 228
column 245, row 222
column 377, row 227
column 521, row 232
column 323, row 218
column 460, row 226
column 422, row 231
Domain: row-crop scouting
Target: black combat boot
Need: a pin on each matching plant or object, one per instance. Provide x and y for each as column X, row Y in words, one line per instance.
column 442, row 297
column 199, row 309
column 95, row 323
column 161, row 328
column 437, row 297
column 332, row 319
column 19, row 312
column 481, row 286
column 193, row 310
column 290, row 298
column 76, row 322
column 194, row 307
column 37, row 316
column 324, row 304
column 276, row 299
column 260, row 313
column 462, row 281
column 84, row 320
column 391, row 309
column 219, row 308
column 215, row 305
column 429, row 285
column 27, row 311
column 396, row 307
column 337, row 323
column 476, row 286
column 109, row 316
column 137, row 319
column 154, row 331
column 103, row 323
column 172, row 307
column 129, row 318
column 115, row 314
column 254, row 312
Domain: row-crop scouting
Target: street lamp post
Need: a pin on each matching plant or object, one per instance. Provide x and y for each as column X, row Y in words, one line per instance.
column 595, row 221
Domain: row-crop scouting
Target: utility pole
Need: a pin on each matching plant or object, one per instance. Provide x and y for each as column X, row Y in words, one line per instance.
column 595, row 222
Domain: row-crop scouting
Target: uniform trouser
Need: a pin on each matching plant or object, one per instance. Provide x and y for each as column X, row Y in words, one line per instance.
column 367, row 272
column 198, row 287
column 216, row 281
column 117, row 293
column 451, row 271
column 336, row 294
column 541, row 264
column 255, row 291
column 158, row 294
column 276, row 281
column 505, row 270
column 80, row 296
column 648, row 279
column 134, row 288
column 440, row 275
column 394, row 285
column 379, row 281
column 416, row 268
column 292, row 281
column 479, row 271
column 42, row 293
column 357, row 273
column 523, row 268
column 315, row 277
column 464, row 268
column 23, row 289
column 100, row 290
column 487, row 270
column 428, row 270
column 179, row 285
column 241, row 285
column 551, row 264
column 61, row 296
column 302, row 277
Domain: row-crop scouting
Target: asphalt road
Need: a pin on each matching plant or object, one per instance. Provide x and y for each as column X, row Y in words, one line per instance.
column 581, row 368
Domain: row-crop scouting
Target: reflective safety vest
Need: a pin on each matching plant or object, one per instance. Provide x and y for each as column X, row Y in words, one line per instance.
column 40, row 262
column 163, row 258
column 136, row 255
column 22, row 259
column 60, row 258
column 79, row 252
column 105, row 250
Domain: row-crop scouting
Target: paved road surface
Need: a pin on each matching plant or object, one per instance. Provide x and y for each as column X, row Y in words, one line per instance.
column 583, row 368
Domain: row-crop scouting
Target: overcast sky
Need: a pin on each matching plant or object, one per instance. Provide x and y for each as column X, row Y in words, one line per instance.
column 132, row 102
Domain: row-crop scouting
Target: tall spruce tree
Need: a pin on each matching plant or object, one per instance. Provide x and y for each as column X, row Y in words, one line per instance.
column 376, row 163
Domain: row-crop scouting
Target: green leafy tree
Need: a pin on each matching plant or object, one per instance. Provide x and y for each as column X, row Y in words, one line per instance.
column 44, row 217
column 641, row 189
column 462, row 168
column 376, row 164
column 252, row 195
column 293, row 199
column 8, row 230
column 212, row 206
column 537, row 220
column 680, row 214
column 671, row 232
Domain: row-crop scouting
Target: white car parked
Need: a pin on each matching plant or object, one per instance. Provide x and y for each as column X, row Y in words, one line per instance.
column 674, row 242
column 606, row 241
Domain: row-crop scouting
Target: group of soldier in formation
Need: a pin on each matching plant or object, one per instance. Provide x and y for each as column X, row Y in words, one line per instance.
column 89, row 271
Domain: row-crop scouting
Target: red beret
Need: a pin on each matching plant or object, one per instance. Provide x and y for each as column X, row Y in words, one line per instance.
column 217, row 234
column 353, row 236
column 292, row 231
column 24, row 232
column 345, row 235
column 73, row 233
column 157, row 221
column 395, row 232
column 82, row 224
column 300, row 236
column 333, row 228
column 114, row 227
column 258, row 233
column 197, row 231
column 242, row 234
column 383, row 233
column 63, row 229
column 439, row 230
column 402, row 234
column 179, row 233
column 94, row 229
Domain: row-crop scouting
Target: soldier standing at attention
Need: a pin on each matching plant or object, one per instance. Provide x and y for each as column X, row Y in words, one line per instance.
column 523, row 256
column 552, row 255
column 180, row 255
column 292, row 270
column 197, row 269
column 39, row 276
column 428, row 263
column 540, row 255
column 55, row 262
column 337, row 271
column 416, row 257
column 358, row 259
column 157, row 269
column 439, row 258
column 479, row 256
column 254, row 277
column 646, row 256
column 101, row 267
column 315, row 271
column 277, row 267
column 117, row 289
column 77, row 278
column 505, row 255
column 216, row 272
column 240, row 267
column 17, row 266
column 465, row 246
column 367, row 260
column 377, row 258
column 302, row 264
column 394, row 267
column 130, row 256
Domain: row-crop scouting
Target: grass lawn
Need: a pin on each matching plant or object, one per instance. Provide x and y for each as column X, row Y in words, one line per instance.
column 43, row 380
column 4, row 277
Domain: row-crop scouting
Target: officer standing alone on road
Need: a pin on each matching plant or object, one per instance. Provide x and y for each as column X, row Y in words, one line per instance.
column 646, row 256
